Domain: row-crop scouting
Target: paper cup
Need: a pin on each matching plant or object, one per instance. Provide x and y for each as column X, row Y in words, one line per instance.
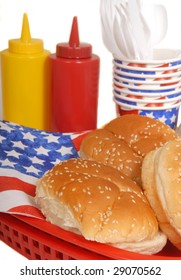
column 162, row 81
column 142, row 69
column 170, row 93
column 140, row 104
column 148, row 71
column 160, row 75
column 168, row 116
column 161, row 58
column 151, row 87
column 147, row 88
column 145, row 101
column 149, row 105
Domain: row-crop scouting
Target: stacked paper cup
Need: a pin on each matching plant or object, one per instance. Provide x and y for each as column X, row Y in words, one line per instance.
column 149, row 88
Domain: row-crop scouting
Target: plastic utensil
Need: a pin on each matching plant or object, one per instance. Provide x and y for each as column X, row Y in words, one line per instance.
column 120, row 38
column 123, row 33
column 132, row 28
column 155, row 19
column 137, row 27
column 161, row 24
column 107, row 17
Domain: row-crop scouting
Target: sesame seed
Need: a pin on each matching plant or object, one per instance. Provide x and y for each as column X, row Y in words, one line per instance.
column 170, row 169
column 115, row 221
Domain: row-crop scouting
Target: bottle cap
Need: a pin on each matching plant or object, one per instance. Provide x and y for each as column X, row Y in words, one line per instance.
column 74, row 49
column 25, row 45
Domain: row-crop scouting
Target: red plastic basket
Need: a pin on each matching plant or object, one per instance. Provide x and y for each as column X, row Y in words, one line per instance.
column 39, row 240
column 35, row 244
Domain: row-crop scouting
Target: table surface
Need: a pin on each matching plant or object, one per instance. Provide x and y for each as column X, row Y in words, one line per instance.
column 7, row 253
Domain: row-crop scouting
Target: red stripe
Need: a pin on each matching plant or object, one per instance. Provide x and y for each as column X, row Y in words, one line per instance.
column 12, row 183
column 77, row 141
column 27, row 210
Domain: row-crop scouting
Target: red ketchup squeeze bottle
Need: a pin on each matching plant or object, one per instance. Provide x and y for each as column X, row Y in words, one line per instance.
column 74, row 85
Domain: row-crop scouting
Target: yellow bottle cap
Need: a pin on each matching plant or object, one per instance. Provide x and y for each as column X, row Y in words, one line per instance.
column 25, row 45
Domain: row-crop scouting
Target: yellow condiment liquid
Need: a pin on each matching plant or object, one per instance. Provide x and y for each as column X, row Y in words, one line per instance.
column 25, row 81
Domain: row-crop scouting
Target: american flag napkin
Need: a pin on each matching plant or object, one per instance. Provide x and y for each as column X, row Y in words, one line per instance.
column 25, row 155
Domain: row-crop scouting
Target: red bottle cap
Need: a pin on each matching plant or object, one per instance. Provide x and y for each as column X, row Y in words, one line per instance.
column 74, row 49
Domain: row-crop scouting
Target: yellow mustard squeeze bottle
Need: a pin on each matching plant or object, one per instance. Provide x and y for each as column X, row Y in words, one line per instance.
column 25, row 81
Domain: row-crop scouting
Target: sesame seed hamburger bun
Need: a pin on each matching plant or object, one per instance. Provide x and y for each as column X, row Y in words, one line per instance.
column 161, row 177
column 100, row 203
column 124, row 141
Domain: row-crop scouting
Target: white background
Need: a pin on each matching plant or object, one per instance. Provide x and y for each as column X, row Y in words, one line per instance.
column 51, row 21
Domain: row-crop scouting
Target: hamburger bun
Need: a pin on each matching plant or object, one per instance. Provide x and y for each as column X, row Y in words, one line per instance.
column 161, row 182
column 124, row 141
column 100, row 203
